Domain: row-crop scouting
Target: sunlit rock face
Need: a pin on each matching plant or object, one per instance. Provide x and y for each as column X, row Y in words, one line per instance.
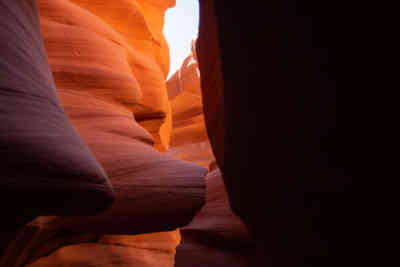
column 96, row 48
column 118, row 251
column 94, row 58
column 189, row 139
column 109, row 61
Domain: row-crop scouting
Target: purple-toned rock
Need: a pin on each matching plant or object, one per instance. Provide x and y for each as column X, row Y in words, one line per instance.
column 216, row 237
column 46, row 167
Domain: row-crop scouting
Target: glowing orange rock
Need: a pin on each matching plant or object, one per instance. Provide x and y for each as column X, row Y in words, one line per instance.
column 96, row 49
column 189, row 139
column 97, row 85
column 147, row 53
column 147, row 250
column 110, row 71
column 84, row 54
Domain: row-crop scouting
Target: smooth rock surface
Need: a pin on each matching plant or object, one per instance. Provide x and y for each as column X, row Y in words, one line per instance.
column 212, row 82
column 149, row 186
column 92, row 49
column 189, row 139
column 46, row 167
column 157, row 249
column 215, row 237
column 111, row 80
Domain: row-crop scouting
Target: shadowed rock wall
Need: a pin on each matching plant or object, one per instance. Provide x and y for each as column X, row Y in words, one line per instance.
column 216, row 237
column 306, row 150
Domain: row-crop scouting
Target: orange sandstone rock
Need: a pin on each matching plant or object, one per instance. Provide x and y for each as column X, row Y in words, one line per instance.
column 189, row 139
column 38, row 172
column 110, row 71
column 148, row 250
column 105, row 66
column 124, row 61
column 84, row 54
column 147, row 54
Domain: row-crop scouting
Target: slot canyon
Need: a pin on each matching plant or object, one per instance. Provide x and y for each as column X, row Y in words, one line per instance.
column 252, row 153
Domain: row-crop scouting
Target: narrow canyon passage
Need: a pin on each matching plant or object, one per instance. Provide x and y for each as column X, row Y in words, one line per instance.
column 146, row 129
column 262, row 147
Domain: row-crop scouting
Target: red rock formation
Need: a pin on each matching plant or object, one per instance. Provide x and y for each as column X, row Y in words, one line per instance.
column 141, row 250
column 39, row 173
column 216, row 237
column 211, row 79
column 189, row 140
column 102, row 113
column 102, row 52
column 147, row 54
column 110, row 76
column 299, row 69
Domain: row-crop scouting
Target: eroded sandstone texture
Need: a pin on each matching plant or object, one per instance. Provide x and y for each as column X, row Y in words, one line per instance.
column 108, row 92
column 271, row 73
column 113, row 51
column 215, row 237
column 157, row 249
column 35, row 165
column 189, row 140
column 109, row 61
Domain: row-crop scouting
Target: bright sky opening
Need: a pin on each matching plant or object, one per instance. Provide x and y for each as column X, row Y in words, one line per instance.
column 181, row 26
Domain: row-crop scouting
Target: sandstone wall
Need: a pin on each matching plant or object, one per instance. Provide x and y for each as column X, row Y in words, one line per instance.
column 216, row 237
column 113, row 51
column 148, row 250
column 110, row 61
column 189, row 139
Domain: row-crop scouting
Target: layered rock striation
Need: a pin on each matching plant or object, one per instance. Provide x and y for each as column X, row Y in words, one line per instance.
column 109, row 61
column 112, row 56
column 189, row 139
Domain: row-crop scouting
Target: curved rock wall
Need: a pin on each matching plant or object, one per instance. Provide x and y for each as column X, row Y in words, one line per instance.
column 95, row 48
column 109, row 61
column 189, row 139
column 33, row 127
column 307, row 82
column 141, row 23
column 216, row 237
column 212, row 83
column 118, row 251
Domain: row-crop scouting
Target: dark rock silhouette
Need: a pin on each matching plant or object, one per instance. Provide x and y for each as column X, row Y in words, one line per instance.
column 302, row 138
